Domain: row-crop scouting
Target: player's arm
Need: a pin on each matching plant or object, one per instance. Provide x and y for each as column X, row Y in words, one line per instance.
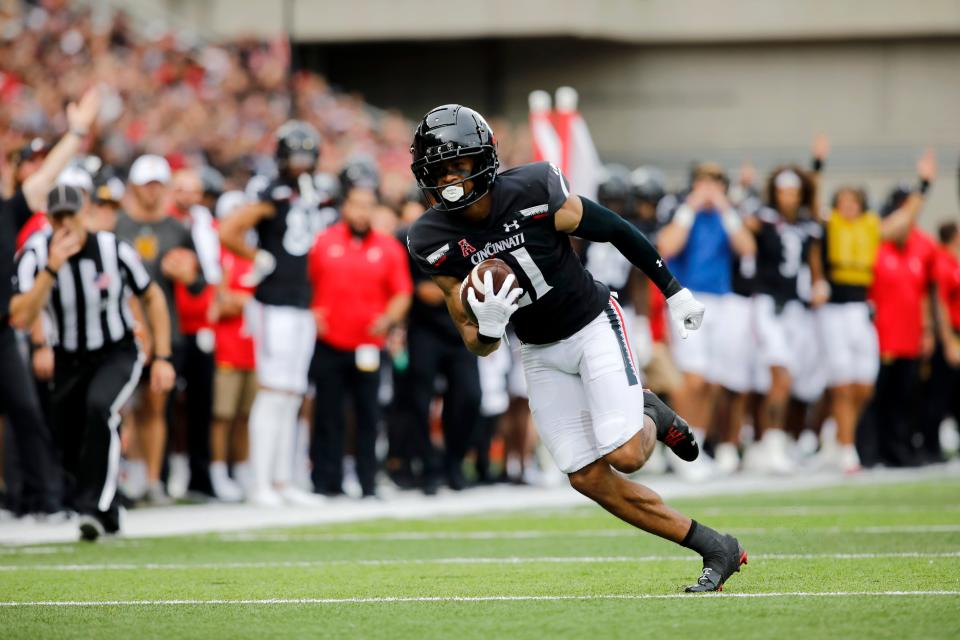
column 897, row 225
column 587, row 219
column 233, row 229
column 820, row 288
column 468, row 331
column 162, row 375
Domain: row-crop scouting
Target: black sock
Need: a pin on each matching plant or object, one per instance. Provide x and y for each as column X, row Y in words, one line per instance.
column 659, row 412
column 701, row 539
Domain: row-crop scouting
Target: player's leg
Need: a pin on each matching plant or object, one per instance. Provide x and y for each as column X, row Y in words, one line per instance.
column 643, row 508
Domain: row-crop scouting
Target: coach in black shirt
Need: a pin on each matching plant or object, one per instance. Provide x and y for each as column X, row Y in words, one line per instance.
column 18, row 398
column 84, row 280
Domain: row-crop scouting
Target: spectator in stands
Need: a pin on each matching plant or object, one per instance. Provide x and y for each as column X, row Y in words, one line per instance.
column 105, row 202
column 361, row 288
column 166, row 248
column 235, row 380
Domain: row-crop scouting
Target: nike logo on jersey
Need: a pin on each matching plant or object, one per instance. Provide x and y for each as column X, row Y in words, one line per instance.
column 537, row 211
column 493, row 248
column 439, row 255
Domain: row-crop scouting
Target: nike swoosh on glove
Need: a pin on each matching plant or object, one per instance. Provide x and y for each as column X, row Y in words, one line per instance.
column 686, row 311
column 494, row 312
column 263, row 265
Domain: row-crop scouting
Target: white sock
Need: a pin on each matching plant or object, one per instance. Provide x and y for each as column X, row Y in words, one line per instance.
column 135, row 483
column 266, row 418
column 218, row 472
column 286, row 445
column 301, row 461
column 243, row 475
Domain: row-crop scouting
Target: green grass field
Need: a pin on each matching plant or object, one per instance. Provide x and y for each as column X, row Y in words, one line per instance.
column 850, row 562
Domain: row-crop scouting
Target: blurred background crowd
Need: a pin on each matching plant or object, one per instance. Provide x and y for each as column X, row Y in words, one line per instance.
column 832, row 339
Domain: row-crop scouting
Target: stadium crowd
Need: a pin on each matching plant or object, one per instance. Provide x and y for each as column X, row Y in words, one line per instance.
column 830, row 339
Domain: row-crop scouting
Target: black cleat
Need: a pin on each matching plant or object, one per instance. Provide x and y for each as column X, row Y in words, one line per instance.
column 718, row 567
column 672, row 430
column 91, row 528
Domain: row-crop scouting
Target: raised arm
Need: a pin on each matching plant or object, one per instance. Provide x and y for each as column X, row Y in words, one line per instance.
column 80, row 117
column 897, row 225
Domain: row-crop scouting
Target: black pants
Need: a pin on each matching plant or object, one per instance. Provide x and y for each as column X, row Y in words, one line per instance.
column 886, row 432
column 431, row 356
column 941, row 398
column 196, row 370
column 335, row 374
column 88, row 393
column 38, row 471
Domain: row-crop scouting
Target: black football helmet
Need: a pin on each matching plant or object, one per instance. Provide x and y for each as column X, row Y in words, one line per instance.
column 454, row 131
column 613, row 191
column 359, row 171
column 647, row 184
column 298, row 143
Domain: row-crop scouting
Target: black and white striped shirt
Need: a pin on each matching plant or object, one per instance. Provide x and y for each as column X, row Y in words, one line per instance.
column 89, row 302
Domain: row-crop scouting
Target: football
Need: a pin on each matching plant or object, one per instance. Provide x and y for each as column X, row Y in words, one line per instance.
column 498, row 269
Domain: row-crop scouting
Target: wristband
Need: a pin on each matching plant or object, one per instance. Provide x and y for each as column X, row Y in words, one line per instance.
column 685, row 216
column 164, row 358
column 924, row 186
column 38, row 345
column 817, row 165
column 731, row 221
column 79, row 133
column 48, row 269
column 485, row 339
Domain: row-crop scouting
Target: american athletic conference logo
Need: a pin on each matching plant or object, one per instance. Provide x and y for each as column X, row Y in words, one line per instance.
column 466, row 247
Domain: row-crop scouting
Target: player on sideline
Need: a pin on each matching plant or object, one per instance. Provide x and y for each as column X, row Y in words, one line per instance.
column 584, row 389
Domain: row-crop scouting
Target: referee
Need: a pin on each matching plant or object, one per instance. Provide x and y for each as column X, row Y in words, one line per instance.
column 84, row 280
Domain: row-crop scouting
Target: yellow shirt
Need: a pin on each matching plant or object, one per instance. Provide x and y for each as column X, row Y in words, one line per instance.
column 851, row 248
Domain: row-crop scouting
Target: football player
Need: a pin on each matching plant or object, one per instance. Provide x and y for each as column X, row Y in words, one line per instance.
column 584, row 389
column 279, row 318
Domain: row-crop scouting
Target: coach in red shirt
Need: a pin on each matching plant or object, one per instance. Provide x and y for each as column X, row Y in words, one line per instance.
column 361, row 288
column 942, row 387
column 904, row 278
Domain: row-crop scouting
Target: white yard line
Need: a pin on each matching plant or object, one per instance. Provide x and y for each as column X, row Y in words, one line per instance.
column 485, row 501
column 306, row 564
column 457, row 599
column 399, row 536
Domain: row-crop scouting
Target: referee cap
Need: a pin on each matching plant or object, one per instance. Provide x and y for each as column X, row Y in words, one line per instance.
column 64, row 199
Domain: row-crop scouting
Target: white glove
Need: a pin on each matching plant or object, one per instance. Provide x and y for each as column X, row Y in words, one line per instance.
column 686, row 311
column 494, row 312
column 263, row 265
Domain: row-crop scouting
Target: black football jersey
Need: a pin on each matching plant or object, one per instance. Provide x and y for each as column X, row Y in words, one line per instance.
column 289, row 235
column 560, row 296
column 782, row 249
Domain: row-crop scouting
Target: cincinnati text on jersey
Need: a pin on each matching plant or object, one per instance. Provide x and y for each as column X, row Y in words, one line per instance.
column 493, row 248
